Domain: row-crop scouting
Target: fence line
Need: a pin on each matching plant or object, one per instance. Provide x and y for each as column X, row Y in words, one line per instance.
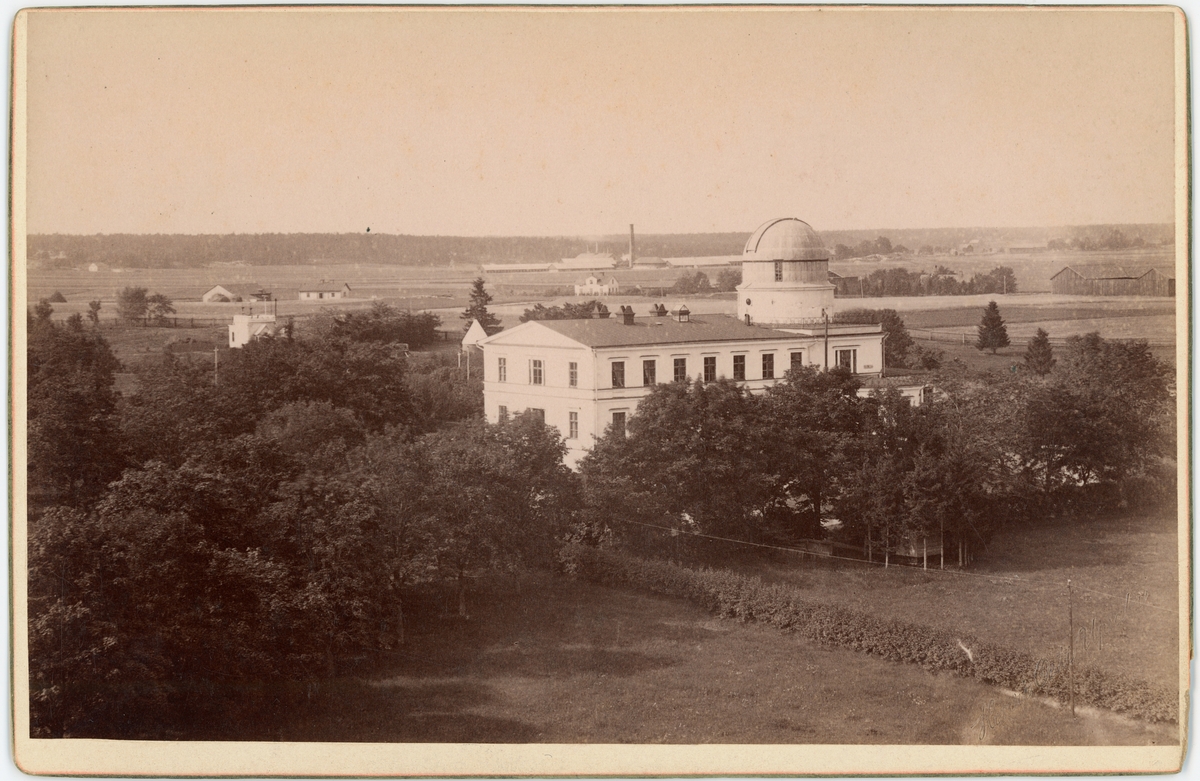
column 959, row 573
column 968, row 337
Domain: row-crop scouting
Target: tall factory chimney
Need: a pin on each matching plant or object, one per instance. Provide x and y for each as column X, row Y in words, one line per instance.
column 631, row 245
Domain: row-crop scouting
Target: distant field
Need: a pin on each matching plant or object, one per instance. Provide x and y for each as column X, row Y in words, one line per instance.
column 424, row 284
column 1032, row 271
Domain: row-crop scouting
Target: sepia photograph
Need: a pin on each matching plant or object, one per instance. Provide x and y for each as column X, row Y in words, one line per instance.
column 628, row 391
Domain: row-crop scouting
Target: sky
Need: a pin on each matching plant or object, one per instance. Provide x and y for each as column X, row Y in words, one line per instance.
column 580, row 122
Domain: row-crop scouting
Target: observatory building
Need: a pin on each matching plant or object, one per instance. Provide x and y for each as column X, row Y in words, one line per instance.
column 785, row 276
column 587, row 376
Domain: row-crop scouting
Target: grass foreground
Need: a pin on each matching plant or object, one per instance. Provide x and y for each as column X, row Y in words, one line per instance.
column 553, row 660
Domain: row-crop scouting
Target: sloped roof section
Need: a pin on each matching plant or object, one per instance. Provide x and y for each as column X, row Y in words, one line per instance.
column 647, row 330
column 1117, row 272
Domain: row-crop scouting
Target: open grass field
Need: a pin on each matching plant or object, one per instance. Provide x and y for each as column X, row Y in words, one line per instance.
column 558, row 661
column 1123, row 571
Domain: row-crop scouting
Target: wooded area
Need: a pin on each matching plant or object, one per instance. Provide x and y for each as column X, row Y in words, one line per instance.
column 209, row 533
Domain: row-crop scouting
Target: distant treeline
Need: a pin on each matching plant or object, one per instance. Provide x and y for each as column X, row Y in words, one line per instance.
column 125, row 250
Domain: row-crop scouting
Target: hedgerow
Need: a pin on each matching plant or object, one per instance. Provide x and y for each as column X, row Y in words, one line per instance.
column 745, row 598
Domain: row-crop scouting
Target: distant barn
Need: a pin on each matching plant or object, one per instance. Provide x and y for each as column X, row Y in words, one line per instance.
column 1114, row 281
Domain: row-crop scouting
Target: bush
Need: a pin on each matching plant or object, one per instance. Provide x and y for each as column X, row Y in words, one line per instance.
column 730, row 595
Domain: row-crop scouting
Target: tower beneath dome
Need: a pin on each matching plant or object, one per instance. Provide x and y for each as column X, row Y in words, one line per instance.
column 785, row 275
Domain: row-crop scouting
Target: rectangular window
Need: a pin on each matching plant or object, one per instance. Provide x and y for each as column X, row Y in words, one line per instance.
column 573, row 374
column 618, row 374
column 618, row 425
column 710, row 368
column 768, row 366
column 848, row 359
column 502, row 369
column 648, row 373
column 537, row 414
column 779, row 271
column 797, row 361
column 572, row 425
column 739, row 367
column 680, row 369
column 503, row 414
column 536, row 373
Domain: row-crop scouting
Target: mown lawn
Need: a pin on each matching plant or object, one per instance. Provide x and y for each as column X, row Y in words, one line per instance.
column 1123, row 571
column 560, row 661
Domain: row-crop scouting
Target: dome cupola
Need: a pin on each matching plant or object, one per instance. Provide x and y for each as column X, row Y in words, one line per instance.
column 785, row 239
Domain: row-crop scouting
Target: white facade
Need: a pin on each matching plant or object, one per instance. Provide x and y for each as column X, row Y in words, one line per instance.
column 585, row 375
column 246, row 328
column 595, row 286
column 323, row 293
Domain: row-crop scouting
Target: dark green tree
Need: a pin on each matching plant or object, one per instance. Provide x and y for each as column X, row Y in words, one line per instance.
column 94, row 312
column 993, row 333
column 477, row 309
column 74, row 447
column 568, row 311
column 158, row 306
column 132, row 304
column 897, row 343
column 1039, row 355
column 694, row 459
column 696, row 282
column 58, row 298
column 728, row 279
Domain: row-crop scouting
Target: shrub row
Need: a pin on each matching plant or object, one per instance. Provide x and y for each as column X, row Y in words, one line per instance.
column 730, row 595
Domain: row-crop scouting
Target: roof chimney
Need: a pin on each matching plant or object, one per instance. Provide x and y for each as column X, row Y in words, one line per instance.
column 627, row 315
column 659, row 310
column 601, row 311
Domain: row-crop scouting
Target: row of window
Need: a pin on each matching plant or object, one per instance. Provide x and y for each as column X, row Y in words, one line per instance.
column 540, row 416
column 845, row 358
column 680, row 373
column 537, row 372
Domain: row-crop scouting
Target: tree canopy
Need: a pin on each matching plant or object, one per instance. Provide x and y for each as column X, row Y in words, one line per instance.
column 993, row 333
column 477, row 309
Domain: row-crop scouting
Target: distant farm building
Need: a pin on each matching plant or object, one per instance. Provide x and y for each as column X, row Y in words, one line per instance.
column 325, row 291
column 594, row 286
column 94, row 267
column 713, row 260
column 221, row 294
column 641, row 262
column 586, row 261
column 512, row 268
column 247, row 328
column 1114, row 281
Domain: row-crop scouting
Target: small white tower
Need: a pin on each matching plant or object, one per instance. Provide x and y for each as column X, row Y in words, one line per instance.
column 785, row 275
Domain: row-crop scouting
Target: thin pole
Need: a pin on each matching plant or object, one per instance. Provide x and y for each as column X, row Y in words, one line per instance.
column 216, row 377
column 826, row 316
column 1071, row 645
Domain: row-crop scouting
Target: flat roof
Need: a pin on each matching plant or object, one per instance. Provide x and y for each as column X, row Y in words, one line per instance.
column 647, row 330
